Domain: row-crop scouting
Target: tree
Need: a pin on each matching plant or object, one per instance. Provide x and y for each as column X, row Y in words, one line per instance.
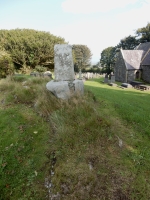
column 29, row 47
column 82, row 56
column 6, row 64
column 144, row 33
column 129, row 42
column 107, row 59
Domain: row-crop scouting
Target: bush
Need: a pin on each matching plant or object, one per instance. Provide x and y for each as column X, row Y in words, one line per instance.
column 25, row 69
column 6, row 64
column 40, row 68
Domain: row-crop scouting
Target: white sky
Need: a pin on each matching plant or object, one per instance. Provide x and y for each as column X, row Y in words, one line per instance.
column 91, row 6
column 95, row 23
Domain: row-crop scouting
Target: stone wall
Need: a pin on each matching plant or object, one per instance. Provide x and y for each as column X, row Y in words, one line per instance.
column 120, row 69
column 130, row 75
column 146, row 73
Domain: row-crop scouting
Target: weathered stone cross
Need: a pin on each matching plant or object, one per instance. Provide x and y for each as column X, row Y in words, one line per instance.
column 64, row 85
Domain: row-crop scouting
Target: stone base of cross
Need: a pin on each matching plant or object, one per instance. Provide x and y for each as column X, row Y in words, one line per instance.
column 66, row 89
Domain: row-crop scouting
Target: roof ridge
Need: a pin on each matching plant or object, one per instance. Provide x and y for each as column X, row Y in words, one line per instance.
column 145, row 55
column 137, row 46
column 123, row 57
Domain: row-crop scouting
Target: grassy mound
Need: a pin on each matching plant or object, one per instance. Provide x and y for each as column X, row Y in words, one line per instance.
column 91, row 147
column 24, row 139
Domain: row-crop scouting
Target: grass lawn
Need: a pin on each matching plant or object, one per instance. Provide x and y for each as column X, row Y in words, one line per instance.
column 92, row 147
column 131, row 105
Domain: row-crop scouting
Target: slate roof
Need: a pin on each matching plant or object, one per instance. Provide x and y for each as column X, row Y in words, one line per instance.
column 143, row 46
column 146, row 59
column 132, row 58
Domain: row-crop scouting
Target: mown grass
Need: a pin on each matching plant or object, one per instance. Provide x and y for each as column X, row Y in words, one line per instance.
column 97, row 145
column 131, row 104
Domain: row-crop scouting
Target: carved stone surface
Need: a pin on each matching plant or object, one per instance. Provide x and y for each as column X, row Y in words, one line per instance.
column 64, row 86
column 65, row 89
column 60, row 89
column 63, row 61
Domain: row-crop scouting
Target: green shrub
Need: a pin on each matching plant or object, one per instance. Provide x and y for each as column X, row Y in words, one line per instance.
column 40, row 68
column 25, row 69
column 6, row 64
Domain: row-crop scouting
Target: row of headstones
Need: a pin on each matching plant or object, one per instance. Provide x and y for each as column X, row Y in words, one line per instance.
column 110, row 79
column 87, row 75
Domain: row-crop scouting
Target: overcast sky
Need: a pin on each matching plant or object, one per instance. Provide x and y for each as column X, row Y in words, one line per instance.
column 96, row 23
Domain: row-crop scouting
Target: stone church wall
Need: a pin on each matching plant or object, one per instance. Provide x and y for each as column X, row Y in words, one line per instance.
column 120, row 69
column 130, row 75
column 146, row 73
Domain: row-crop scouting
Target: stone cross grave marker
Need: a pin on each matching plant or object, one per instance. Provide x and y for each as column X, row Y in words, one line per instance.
column 63, row 61
column 64, row 85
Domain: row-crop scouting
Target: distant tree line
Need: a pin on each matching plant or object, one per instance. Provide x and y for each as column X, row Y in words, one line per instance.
column 28, row 48
column 109, row 55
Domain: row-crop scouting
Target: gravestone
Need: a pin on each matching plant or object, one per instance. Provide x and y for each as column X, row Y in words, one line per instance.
column 88, row 75
column 64, row 70
column 34, row 74
column 80, row 74
column 47, row 73
column 113, row 84
column 106, row 78
column 126, row 85
column 64, row 85
column 112, row 78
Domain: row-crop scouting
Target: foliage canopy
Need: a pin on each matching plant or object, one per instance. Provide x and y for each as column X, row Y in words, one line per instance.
column 29, row 47
column 6, row 64
column 129, row 42
column 82, row 56
column 144, row 33
column 108, row 59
